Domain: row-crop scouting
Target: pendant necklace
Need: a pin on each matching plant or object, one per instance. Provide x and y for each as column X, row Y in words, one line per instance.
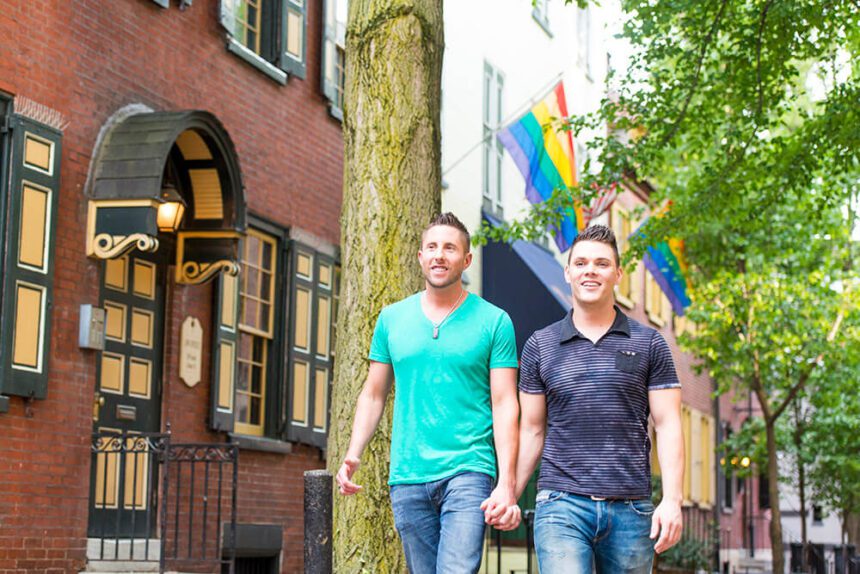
column 451, row 310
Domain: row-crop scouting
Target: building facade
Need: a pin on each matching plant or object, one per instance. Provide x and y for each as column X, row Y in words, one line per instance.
column 171, row 188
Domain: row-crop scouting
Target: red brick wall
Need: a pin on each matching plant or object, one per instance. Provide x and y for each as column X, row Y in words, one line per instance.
column 87, row 59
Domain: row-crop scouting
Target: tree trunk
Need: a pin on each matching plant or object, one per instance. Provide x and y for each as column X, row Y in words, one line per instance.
column 804, row 537
column 773, row 492
column 799, row 428
column 392, row 187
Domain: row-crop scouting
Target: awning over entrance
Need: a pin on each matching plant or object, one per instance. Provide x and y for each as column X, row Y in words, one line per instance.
column 525, row 280
column 166, row 172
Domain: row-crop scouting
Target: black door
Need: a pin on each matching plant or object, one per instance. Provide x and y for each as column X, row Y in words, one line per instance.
column 127, row 402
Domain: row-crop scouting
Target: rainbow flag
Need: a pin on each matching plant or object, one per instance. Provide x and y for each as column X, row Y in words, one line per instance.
column 545, row 158
column 666, row 263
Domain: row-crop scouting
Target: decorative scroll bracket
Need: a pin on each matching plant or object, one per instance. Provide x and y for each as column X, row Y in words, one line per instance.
column 115, row 227
column 201, row 255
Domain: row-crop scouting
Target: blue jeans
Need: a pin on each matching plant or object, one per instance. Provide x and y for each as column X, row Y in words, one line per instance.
column 441, row 523
column 576, row 534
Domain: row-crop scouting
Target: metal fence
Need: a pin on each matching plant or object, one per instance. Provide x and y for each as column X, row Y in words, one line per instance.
column 144, row 483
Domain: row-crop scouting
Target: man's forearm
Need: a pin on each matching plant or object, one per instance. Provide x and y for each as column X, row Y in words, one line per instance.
column 670, row 453
column 368, row 412
column 506, row 436
column 531, row 448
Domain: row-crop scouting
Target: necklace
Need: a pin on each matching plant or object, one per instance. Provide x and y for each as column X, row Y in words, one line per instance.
column 436, row 325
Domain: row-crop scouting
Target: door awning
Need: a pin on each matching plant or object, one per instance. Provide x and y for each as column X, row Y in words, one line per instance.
column 150, row 160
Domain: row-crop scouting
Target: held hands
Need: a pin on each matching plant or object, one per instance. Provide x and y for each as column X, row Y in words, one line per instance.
column 668, row 522
column 501, row 509
column 344, row 476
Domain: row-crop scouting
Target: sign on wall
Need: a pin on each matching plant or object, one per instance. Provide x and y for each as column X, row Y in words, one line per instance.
column 190, row 351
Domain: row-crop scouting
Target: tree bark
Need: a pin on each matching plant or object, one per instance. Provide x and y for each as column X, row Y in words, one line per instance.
column 773, row 492
column 392, row 187
column 799, row 428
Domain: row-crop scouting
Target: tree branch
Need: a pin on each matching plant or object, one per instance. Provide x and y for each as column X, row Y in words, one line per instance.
column 805, row 375
column 695, row 83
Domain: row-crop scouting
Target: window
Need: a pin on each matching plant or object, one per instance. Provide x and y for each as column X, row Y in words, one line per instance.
column 269, row 34
column 493, row 151
column 256, row 330
column 540, row 13
column 583, row 37
column 30, row 167
column 657, row 305
column 728, row 494
column 339, row 64
column 817, row 514
column 282, row 304
column 334, row 54
column 622, row 226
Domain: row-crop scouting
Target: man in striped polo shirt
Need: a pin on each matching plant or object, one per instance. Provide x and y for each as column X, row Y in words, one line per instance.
column 587, row 386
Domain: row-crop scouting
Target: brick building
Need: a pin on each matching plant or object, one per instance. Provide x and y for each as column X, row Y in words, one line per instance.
column 215, row 325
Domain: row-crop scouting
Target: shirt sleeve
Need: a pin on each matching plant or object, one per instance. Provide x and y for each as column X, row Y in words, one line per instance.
column 661, row 367
column 504, row 351
column 530, row 379
column 379, row 351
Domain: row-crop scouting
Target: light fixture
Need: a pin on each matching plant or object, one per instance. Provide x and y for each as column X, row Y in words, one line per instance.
column 171, row 210
column 745, row 461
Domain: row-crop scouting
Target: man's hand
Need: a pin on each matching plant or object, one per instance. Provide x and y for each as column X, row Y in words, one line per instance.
column 344, row 476
column 501, row 509
column 668, row 522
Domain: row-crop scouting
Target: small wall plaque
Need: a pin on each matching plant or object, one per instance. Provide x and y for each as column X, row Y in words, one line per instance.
column 190, row 351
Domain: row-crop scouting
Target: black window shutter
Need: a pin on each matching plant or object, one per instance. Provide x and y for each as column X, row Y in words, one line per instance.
column 25, row 337
column 310, row 365
column 224, row 354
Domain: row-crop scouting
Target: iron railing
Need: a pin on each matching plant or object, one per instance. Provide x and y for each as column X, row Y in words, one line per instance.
column 187, row 492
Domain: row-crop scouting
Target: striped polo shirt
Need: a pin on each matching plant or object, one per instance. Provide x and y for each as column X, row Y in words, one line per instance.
column 597, row 440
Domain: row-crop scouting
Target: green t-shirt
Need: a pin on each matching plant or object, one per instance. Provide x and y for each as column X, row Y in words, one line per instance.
column 443, row 420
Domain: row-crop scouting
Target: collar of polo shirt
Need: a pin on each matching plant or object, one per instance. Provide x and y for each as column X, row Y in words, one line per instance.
column 569, row 331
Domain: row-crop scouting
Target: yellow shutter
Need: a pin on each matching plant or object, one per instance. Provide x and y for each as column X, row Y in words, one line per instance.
column 685, row 427
column 696, row 456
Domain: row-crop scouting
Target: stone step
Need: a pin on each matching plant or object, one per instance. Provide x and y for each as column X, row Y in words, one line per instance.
column 112, row 550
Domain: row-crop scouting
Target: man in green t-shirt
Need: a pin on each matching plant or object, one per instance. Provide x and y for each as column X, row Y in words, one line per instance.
column 452, row 357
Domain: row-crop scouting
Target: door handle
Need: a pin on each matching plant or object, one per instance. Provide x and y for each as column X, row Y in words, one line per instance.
column 98, row 403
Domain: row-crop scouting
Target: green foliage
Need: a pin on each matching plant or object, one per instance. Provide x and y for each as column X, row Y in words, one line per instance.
column 833, row 431
column 744, row 114
column 689, row 554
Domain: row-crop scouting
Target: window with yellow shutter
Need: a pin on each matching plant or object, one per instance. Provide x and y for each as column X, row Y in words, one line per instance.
column 622, row 226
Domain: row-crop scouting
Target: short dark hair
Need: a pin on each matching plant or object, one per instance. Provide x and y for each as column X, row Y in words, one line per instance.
column 600, row 234
column 450, row 220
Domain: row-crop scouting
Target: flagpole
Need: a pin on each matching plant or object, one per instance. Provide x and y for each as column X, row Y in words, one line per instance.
column 538, row 96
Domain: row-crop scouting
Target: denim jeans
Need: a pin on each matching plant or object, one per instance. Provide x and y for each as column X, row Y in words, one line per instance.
column 441, row 523
column 578, row 535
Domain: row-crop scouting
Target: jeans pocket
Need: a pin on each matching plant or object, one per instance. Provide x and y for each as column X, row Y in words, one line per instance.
column 545, row 496
column 642, row 507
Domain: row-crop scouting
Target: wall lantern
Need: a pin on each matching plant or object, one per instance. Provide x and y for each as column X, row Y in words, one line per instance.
column 171, row 210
